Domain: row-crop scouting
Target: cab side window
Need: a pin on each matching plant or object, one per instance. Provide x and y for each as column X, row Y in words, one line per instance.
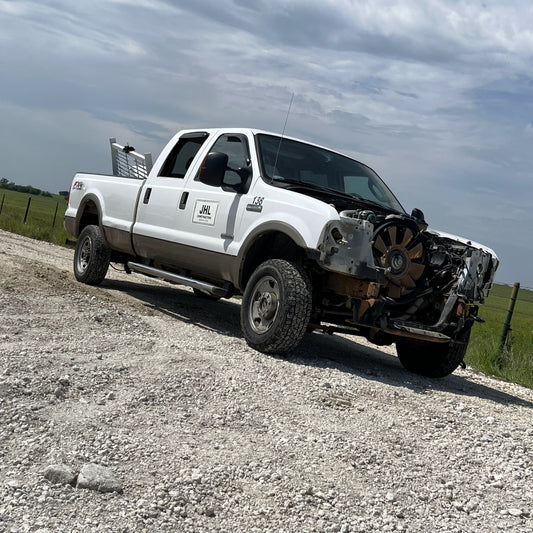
column 182, row 155
column 236, row 147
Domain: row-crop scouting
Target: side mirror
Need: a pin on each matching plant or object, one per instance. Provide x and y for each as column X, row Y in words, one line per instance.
column 243, row 172
column 418, row 215
column 213, row 169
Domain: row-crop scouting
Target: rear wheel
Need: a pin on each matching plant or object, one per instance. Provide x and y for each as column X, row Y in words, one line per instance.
column 91, row 256
column 431, row 359
column 276, row 306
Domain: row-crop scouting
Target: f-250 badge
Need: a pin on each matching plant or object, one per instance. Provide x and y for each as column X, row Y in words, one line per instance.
column 205, row 212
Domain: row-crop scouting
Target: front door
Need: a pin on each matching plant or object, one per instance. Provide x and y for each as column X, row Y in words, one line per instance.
column 212, row 214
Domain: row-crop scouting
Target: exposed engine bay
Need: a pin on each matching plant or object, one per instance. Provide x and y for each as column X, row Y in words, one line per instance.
column 392, row 276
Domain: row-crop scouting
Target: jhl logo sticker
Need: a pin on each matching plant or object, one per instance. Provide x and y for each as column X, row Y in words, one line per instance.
column 205, row 212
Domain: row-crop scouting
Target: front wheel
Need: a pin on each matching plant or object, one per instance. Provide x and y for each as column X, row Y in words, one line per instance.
column 431, row 359
column 91, row 256
column 276, row 306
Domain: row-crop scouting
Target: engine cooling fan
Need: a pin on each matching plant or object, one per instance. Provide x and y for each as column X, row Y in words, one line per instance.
column 397, row 249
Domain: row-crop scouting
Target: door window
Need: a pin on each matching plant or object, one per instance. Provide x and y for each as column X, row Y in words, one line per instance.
column 236, row 147
column 182, row 155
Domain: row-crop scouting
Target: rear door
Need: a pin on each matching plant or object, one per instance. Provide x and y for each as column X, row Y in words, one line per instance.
column 162, row 200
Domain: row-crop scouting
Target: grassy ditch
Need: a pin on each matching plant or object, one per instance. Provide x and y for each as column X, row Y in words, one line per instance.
column 515, row 363
column 40, row 222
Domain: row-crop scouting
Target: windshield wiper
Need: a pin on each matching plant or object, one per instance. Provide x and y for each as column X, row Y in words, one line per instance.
column 371, row 202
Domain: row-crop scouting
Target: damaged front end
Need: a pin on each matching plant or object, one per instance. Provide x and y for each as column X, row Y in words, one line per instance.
column 388, row 277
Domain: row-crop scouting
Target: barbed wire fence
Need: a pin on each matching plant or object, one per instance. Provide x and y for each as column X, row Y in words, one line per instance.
column 35, row 210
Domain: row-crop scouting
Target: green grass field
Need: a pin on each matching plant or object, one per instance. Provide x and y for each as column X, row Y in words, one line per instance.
column 40, row 215
column 514, row 364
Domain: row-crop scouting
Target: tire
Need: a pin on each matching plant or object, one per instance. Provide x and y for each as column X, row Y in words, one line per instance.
column 431, row 359
column 91, row 256
column 276, row 307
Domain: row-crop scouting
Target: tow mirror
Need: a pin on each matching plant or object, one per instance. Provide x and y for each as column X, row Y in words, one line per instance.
column 243, row 172
column 418, row 215
column 213, row 169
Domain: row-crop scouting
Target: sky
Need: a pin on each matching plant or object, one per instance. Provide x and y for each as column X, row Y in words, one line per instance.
column 436, row 96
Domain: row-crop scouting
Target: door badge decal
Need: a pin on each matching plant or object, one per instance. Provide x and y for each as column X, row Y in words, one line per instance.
column 205, row 212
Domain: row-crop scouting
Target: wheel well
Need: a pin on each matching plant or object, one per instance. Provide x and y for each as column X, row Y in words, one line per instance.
column 272, row 245
column 89, row 216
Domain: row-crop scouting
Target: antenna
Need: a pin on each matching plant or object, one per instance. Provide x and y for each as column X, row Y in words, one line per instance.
column 282, row 135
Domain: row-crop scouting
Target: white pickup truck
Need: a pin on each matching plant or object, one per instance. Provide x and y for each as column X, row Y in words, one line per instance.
column 312, row 239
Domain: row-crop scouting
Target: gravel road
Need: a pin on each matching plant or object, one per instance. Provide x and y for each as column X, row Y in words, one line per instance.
column 205, row 434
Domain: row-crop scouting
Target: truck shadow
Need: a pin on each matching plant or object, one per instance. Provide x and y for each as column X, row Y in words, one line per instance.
column 317, row 350
column 373, row 364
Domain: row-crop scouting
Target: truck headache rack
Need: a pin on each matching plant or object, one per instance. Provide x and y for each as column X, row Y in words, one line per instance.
column 127, row 162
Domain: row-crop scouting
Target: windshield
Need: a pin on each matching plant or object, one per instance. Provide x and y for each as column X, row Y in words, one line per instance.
column 284, row 160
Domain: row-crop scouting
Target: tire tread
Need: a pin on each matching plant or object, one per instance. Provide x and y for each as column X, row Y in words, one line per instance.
column 296, row 308
column 99, row 260
column 430, row 359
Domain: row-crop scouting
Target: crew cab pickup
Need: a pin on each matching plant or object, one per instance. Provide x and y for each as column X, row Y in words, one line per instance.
column 311, row 239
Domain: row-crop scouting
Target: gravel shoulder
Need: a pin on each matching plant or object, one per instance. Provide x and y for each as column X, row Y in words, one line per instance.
column 205, row 434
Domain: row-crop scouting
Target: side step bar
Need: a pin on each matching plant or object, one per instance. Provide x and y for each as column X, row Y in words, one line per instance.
column 180, row 280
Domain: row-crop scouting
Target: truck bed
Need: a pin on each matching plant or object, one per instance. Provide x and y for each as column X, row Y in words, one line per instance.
column 115, row 197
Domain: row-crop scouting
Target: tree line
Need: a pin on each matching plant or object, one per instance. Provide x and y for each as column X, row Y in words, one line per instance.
column 27, row 189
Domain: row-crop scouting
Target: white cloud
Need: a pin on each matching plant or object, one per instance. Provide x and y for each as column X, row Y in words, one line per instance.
column 435, row 95
column 14, row 8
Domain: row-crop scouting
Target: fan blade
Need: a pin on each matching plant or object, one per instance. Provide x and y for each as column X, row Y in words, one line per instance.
column 395, row 291
column 408, row 282
column 380, row 245
column 416, row 252
column 407, row 236
column 416, row 270
column 392, row 234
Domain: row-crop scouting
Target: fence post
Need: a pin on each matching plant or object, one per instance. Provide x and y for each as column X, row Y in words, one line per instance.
column 27, row 209
column 507, row 324
column 55, row 215
column 2, row 204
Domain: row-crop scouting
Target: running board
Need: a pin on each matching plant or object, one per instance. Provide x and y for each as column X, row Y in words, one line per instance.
column 220, row 292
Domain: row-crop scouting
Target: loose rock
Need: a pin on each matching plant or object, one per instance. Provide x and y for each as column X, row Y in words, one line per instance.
column 60, row 474
column 96, row 477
